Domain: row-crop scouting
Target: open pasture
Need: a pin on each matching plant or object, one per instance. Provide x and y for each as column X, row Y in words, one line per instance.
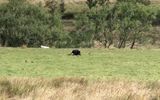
column 98, row 74
column 93, row 63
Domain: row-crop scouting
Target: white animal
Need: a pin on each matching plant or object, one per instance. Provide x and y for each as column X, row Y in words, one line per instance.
column 45, row 47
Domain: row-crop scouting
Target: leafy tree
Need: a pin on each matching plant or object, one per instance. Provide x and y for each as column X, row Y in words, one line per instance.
column 141, row 24
column 128, row 18
column 124, row 12
column 101, row 15
column 132, row 19
column 156, row 21
column 24, row 24
column 83, row 35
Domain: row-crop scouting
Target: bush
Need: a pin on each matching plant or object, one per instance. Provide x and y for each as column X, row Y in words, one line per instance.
column 22, row 23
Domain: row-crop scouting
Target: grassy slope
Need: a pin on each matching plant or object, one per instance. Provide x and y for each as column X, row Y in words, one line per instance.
column 94, row 63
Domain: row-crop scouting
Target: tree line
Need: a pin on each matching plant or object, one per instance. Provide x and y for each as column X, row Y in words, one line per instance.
column 124, row 23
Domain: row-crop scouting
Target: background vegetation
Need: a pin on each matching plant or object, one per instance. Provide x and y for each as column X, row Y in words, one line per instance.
column 120, row 24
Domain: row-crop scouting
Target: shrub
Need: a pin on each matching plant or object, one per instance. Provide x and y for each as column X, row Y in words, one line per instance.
column 22, row 23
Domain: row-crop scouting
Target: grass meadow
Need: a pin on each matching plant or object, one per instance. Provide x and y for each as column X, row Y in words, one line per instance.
column 98, row 74
column 92, row 64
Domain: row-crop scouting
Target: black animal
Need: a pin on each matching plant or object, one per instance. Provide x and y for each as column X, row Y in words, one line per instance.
column 76, row 52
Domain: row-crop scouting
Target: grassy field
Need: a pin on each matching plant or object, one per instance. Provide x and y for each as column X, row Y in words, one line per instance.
column 93, row 63
column 98, row 74
column 77, row 89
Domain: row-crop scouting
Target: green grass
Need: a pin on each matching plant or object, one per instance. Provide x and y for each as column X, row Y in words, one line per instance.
column 94, row 63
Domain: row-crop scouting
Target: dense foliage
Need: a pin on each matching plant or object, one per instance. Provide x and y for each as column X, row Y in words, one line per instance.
column 125, row 21
column 122, row 24
column 24, row 24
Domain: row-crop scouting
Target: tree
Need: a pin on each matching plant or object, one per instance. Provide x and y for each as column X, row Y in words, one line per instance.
column 101, row 15
column 132, row 19
column 141, row 24
column 26, row 24
column 124, row 11
column 156, row 21
column 83, row 35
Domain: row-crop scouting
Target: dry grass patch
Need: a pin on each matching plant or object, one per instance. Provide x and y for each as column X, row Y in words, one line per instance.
column 77, row 89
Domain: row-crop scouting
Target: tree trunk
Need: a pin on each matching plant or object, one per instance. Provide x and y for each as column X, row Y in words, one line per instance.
column 133, row 42
column 0, row 40
column 5, row 43
column 105, row 43
column 120, row 44
column 124, row 44
column 110, row 43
